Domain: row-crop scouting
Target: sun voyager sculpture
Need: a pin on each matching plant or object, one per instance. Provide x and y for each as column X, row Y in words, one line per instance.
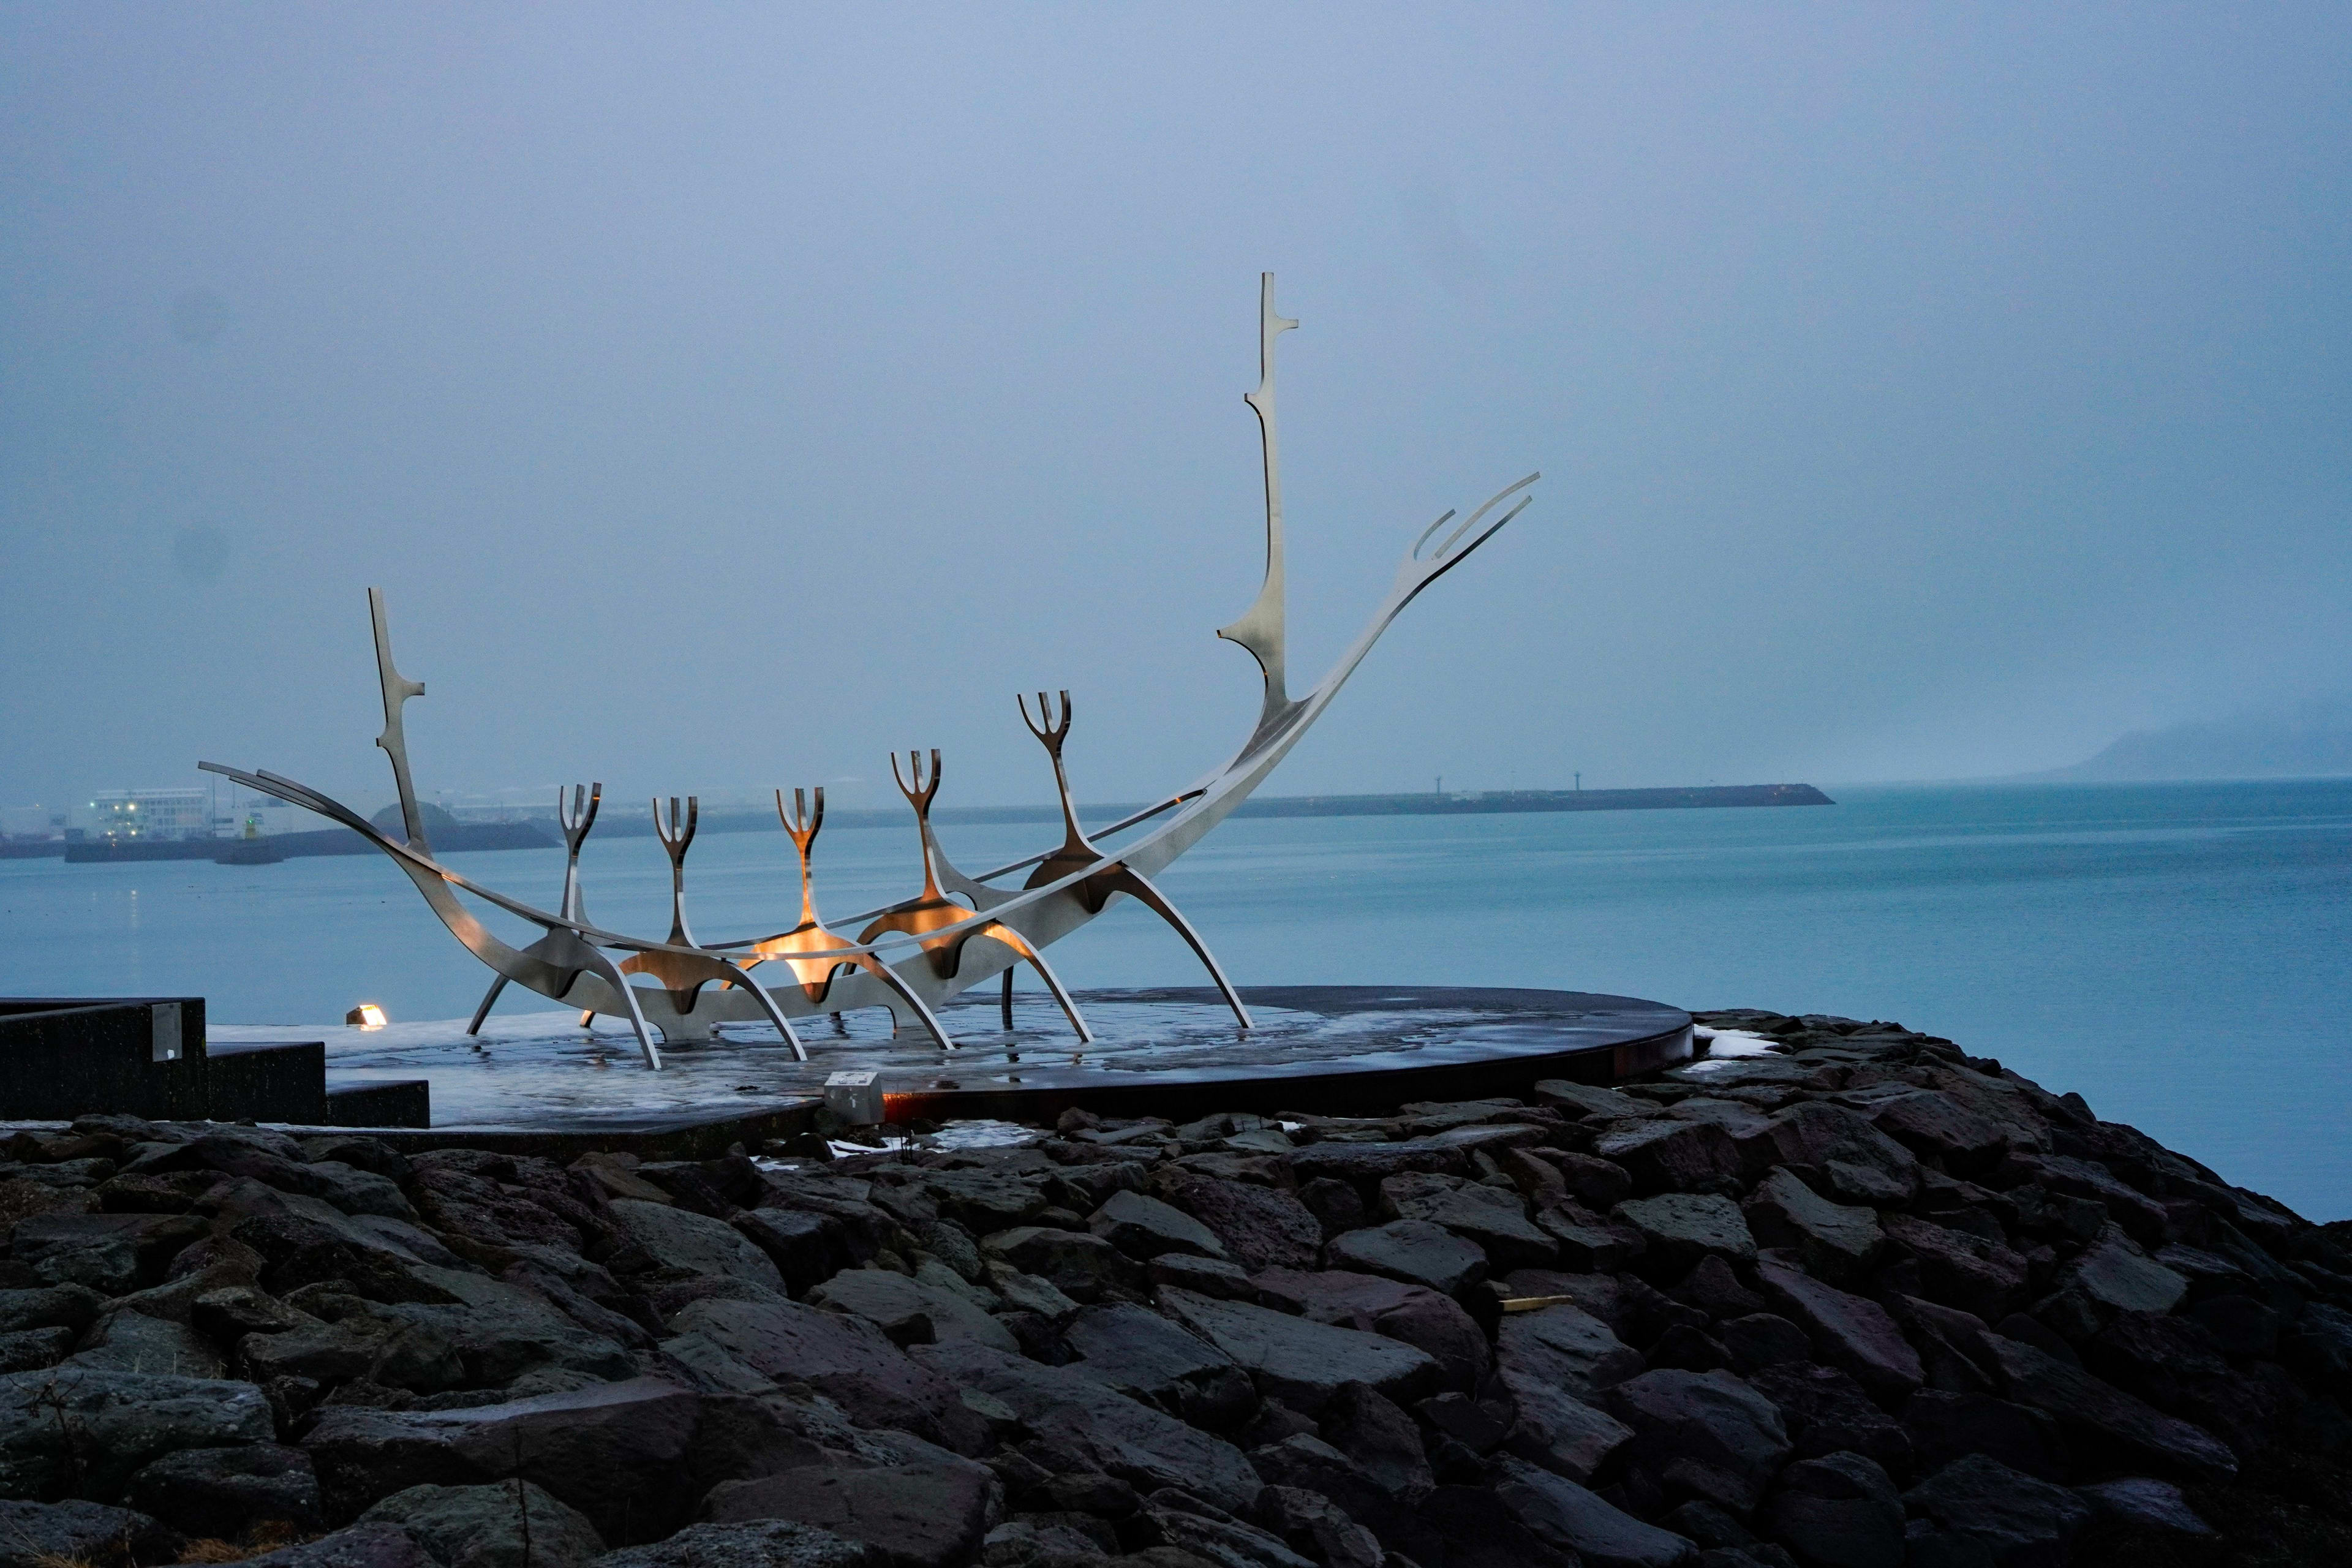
column 913, row 955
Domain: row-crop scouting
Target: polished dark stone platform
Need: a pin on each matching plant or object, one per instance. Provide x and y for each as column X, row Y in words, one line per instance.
column 537, row 1081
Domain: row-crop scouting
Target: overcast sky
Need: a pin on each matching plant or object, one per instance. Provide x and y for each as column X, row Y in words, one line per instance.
column 724, row 396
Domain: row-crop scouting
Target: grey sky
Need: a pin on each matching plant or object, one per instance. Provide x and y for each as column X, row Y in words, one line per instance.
column 727, row 396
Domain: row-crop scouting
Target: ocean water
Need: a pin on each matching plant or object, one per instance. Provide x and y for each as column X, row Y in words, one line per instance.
column 2181, row 954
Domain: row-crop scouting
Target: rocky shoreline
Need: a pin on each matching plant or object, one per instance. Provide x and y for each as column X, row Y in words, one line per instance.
column 1854, row 1301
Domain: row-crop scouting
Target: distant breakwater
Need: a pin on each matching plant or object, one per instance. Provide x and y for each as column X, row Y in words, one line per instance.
column 539, row 832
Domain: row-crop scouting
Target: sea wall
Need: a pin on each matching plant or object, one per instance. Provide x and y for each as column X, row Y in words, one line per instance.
column 1853, row 1298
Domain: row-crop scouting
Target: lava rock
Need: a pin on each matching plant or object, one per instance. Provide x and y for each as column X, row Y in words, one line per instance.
column 908, row 1310
column 1859, row 1162
column 1303, row 1363
column 617, row 1452
column 1848, row 1332
column 2118, row 1277
column 1936, row 1125
column 1371, row 1430
column 806, row 1249
column 48, row 1534
column 1705, row 1432
column 217, row 1492
column 2102, row 1422
column 1082, row 1265
column 73, row 1306
column 1496, row 1220
column 1839, row 1512
column 133, row 1341
column 1565, row 1346
column 983, row 1201
column 1827, row 1412
column 1566, row 1516
column 1413, row 1250
column 1412, row 1314
column 1835, row 1242
column 2018, row 1521
column 2144, row 1503
column 118, row 1422
column 360, row 1546
column 757, row 1543
column 1099, row 1428
column 921, row 1516
column 1677, row 1229
column 513, row 1524
column 1257, row 1227
column 1318, row 1528
column 845, row 1358
column 1762, row 1339
column 1669, row 1156
column 685, row 1239
column 1140, row 1354
column 1145, row 1227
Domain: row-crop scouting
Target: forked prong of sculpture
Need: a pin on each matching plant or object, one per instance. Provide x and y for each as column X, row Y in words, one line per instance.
column 1078, row 853
column 1068, row 887
column 576, row 816
column 814, row 954
column 931, row 909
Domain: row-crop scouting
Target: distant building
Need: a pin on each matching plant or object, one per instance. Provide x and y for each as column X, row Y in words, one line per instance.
column 193, row 811
column 184, row 813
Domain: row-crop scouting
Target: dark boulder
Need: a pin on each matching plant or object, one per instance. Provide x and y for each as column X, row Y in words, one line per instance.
column 845, row 1358
column 1826, row 1412
column 1706, row 1434
column 1840, row 1510
column 2016, row 1520
column 1677, row 1229
column 757, row 1543
column 1099, row 1428
column 219, row 1492
column 1258, row 1226
column 2101, row 1420
column 919, row 1515
column 1140, row 1354
column 1414, row 1314
column 1946, row 1427
column 1851, row 1332
column 51, row 1534
column 617, row 1452
column 81, row 1433
column 1413, row 1250
column 1081, row 1266
column 1496, row 1219
column 1570, row 1518
column 1836, row 1242
column 512, row 1524
column 1671, row 1156
column 1301, row 1362
column 1145, row 1227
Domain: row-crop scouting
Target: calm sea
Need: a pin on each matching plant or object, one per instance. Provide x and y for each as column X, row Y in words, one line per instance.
column 2181, row 954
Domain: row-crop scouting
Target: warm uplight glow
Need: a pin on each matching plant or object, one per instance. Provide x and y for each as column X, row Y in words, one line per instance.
column 367, row 1016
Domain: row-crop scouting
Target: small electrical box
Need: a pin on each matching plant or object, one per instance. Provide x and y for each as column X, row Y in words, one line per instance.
column 856, row 1097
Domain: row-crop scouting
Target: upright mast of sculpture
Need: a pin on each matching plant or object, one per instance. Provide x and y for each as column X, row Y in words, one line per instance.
column 1263, row 628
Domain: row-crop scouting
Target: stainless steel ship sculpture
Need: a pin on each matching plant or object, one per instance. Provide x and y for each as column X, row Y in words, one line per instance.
column 910, row 956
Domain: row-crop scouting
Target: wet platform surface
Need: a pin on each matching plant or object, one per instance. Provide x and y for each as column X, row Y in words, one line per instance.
column 1174, row 1052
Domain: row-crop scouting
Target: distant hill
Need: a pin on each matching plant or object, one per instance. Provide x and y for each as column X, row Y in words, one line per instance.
column 2312, row 740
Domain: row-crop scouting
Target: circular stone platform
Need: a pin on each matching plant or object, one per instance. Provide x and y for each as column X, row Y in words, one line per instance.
column 1175, row 1053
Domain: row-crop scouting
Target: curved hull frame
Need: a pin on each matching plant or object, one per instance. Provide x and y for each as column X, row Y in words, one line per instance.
column 572, row 960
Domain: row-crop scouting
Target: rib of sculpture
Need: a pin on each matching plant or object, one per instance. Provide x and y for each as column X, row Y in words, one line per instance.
column 701, row 986
column 932, row 910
